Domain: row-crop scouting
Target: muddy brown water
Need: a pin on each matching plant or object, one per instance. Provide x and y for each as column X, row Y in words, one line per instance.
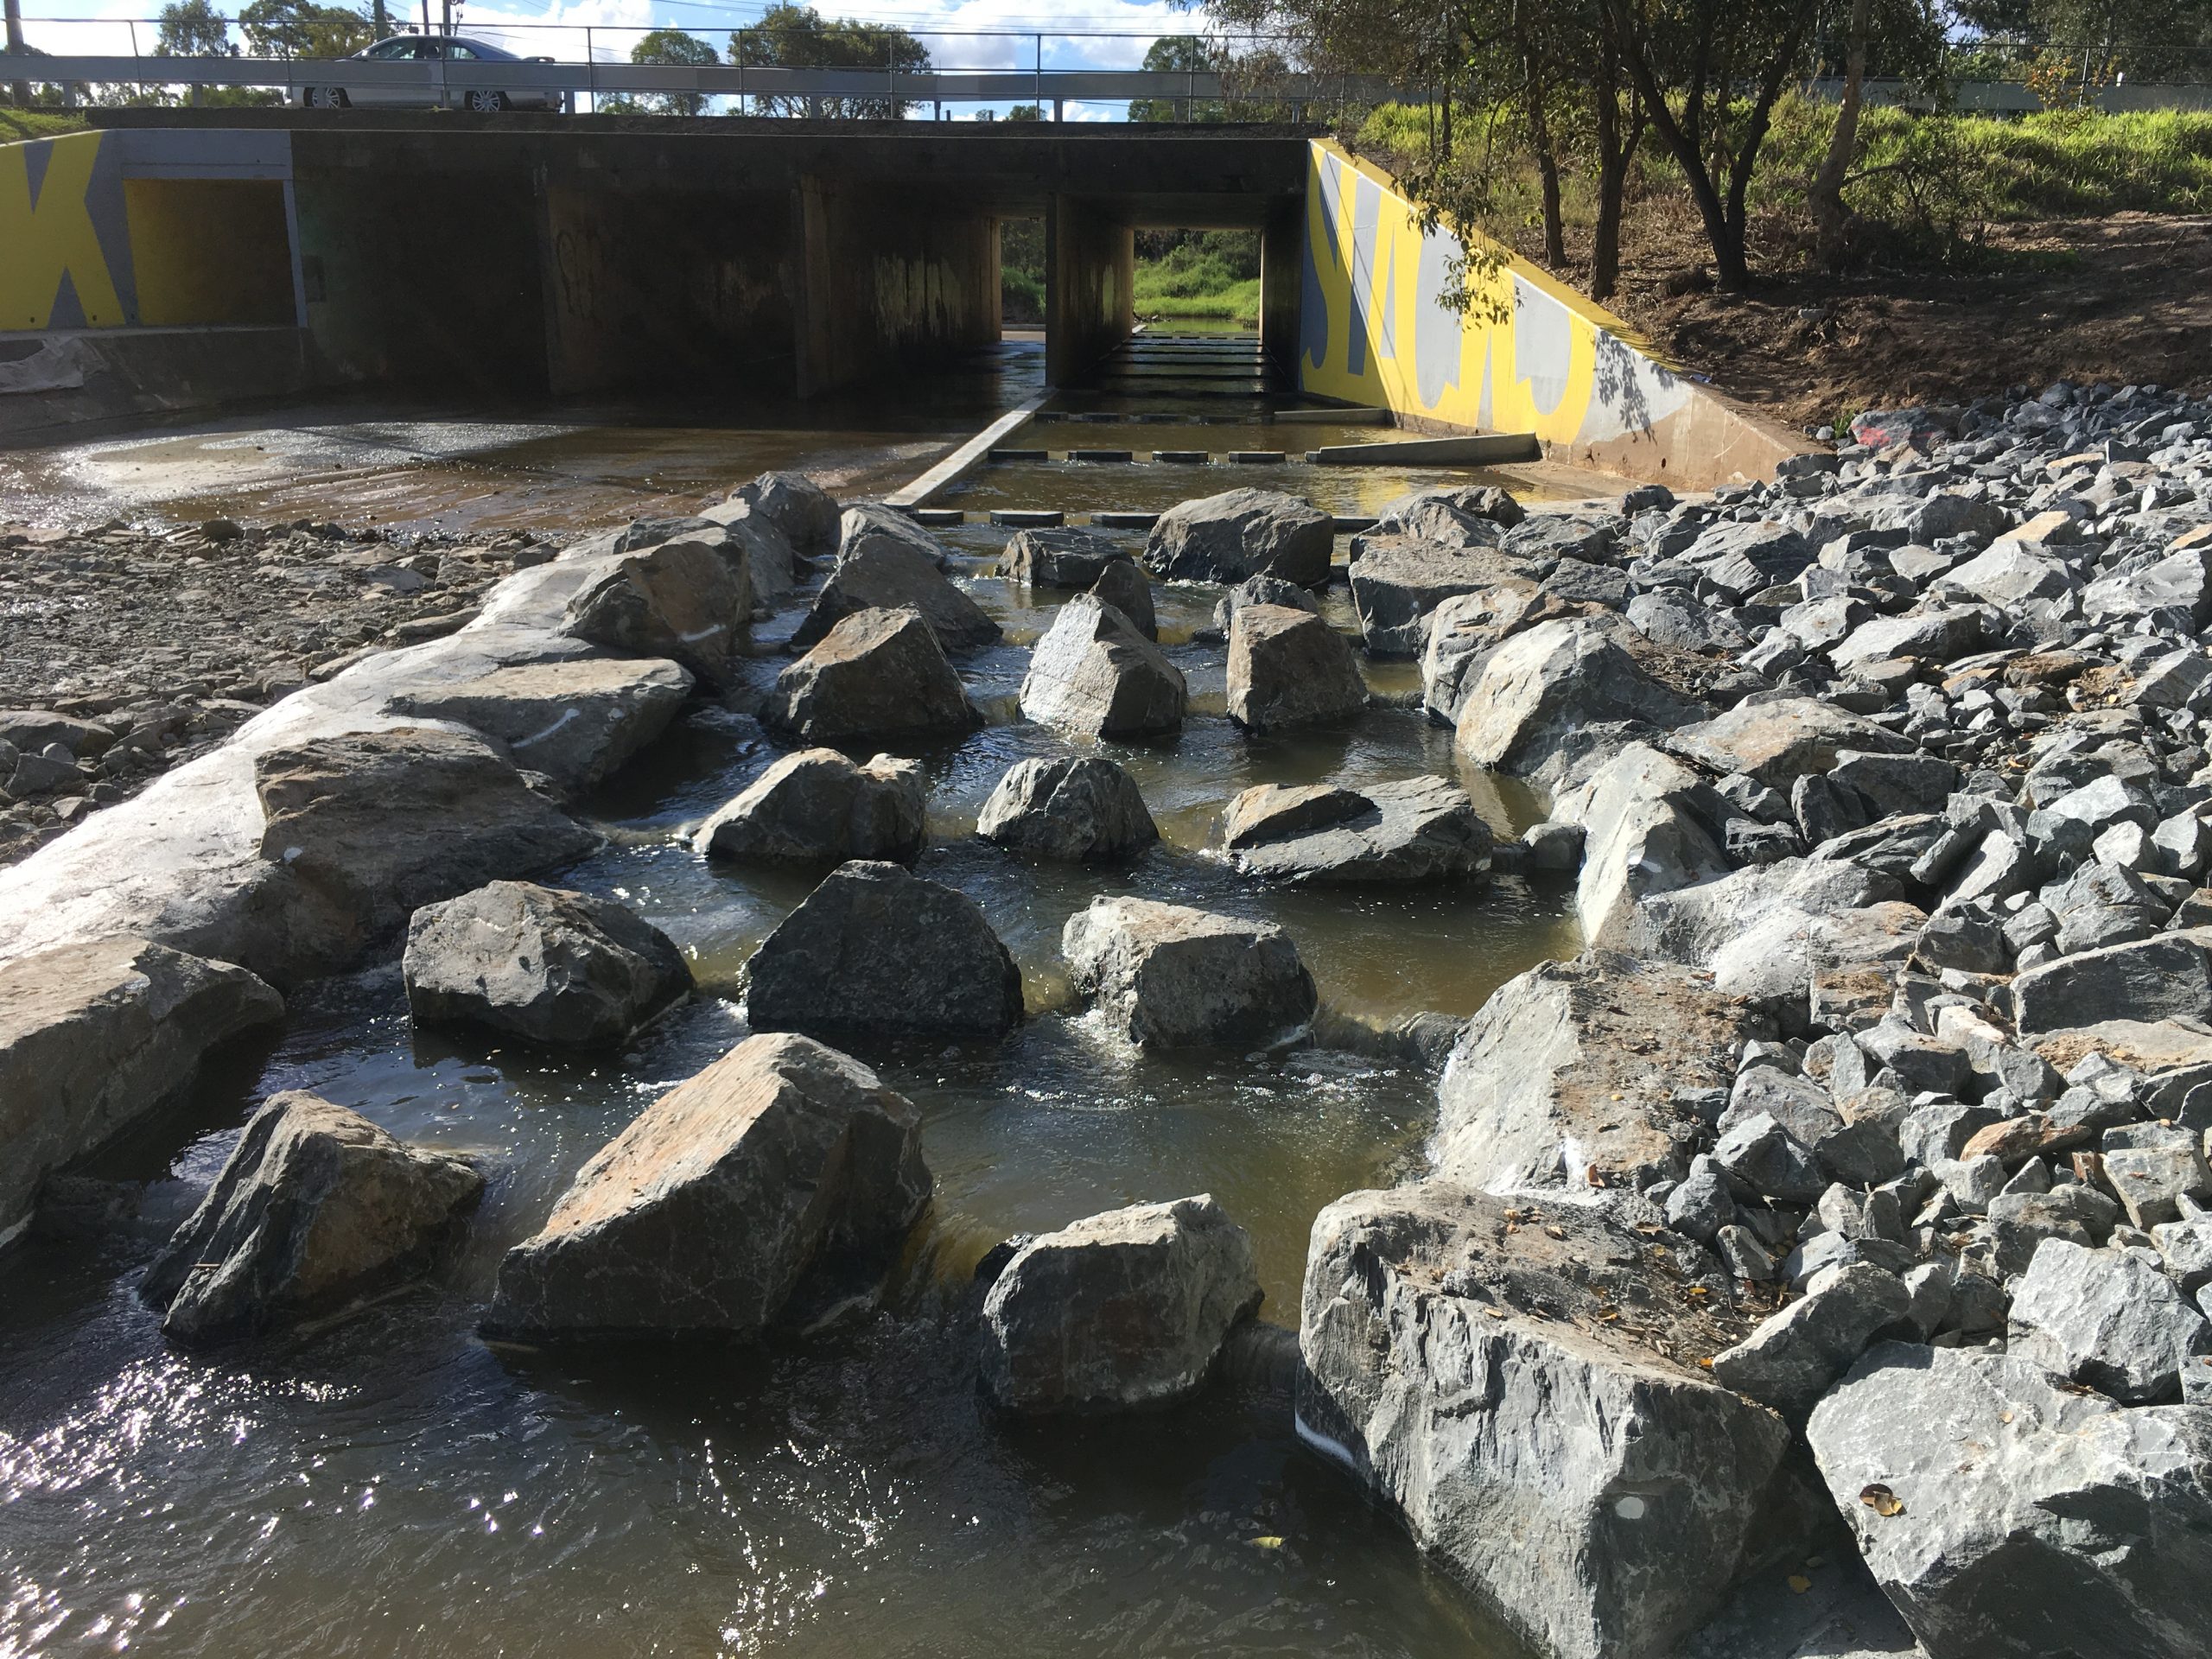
column 395, row 1485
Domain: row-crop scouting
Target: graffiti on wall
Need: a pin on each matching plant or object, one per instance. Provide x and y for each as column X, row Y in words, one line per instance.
column 65, row 256
column 1528, row 355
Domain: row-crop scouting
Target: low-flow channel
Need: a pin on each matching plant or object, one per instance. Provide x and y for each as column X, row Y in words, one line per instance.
column 396, row 1485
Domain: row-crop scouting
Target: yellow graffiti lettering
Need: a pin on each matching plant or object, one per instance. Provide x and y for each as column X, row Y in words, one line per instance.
column 41, row 245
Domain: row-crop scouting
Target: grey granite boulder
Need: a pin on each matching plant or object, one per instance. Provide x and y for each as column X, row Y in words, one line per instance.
column 365, row 828
column 818, row 805
column 878, row 949
column 93, row 1037
column 1412, row 830
column 1077, row 808
column 1170, row 976
column 802, row 509
column 1790, row 1360
column 1397, row 585
column 866, row 526
column 315, row 1208
column 1526, row 1396
column 884, row 574
column 541, row 963
column 782, row 1160
column 1569, row 1077
column 1241, row 533
column 1461, row 633
column 1123, row 585
column 1289, row 668
column 877, row 674
column 681, row 599
column 2143, row 980
column 576, row 721
column 2108, row 1318
column 1545, row 683
column 1646, row 830
column 1095, row 675
column 1119, row 1311
column 1057, row 557
column 1779, row 740
column 2009, row 1518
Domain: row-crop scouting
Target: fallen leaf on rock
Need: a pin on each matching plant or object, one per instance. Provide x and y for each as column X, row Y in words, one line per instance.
column 1800, row 1583
column 1880, row 1499
column 1270, row 1541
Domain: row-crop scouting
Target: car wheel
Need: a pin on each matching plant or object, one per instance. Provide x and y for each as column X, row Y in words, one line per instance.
column 487, row 103
column 326, row 98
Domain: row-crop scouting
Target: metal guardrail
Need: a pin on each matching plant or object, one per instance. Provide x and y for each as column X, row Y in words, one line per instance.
column 2016, row 98
column 740, row 81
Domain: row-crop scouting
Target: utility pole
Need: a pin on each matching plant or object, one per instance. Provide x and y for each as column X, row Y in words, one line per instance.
column 19, row 91
column 382, row 22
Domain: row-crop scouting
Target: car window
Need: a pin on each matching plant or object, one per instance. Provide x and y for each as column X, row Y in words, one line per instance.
column 389, row 49
column 426, row 48
column 457, row 50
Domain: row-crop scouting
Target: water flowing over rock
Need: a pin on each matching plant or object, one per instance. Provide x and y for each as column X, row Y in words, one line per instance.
column 1118, row 1312
column 682, row 600
column 879, row 950
column 1569, row 1076
column 1072, row 809
column 782, row 1158
column 1241, row 533
column 884, row 574
column 817, row 805
column 1415, row 830
column 1289, row 668
column 577, row 723
column 1170, row 976
column 1094, row 674
column 1551, row 681
column 315, row 1208
column 543, row 963
column 2008, row 1517
column 93, row 1037
column 365, row 827
column 1476, row 1368
column 876, row 674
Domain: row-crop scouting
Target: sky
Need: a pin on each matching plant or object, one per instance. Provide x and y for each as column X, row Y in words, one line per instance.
column 960, row 34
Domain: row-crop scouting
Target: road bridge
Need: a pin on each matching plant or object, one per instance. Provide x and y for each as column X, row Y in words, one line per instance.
column 533, row 256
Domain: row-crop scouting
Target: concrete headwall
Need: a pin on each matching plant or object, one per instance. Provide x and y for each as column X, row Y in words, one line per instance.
column 1528, row 355
column 889, row 277
column 1089, row 286
column 104, row 229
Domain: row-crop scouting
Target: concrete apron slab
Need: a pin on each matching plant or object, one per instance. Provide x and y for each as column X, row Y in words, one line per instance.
column 181, row 863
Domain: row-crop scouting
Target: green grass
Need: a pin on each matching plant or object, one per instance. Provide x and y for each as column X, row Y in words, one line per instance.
column 1192, row 280
column 16, row 125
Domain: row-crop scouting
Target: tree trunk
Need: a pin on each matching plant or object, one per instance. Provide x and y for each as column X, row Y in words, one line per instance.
column 1540, row 138
column 1832, row 219
column 1614, row 155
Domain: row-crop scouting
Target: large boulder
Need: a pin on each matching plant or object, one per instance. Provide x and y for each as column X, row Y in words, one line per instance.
column 1094, row 674
column 682, row 600
column 365, row 827
column 2008, row 1516
column 877, row 674
column 1243, row 533
column 804, row 512
column 1478, row 1371
column 1289, row 668
column 542, row 964
column 2147, row 980
column 1071, row 807
column 782, row 1160
column 1123, row 585
column 817, row 805
column 883, row 574
column 1645, row 832
column 1059, row 556
column 576, row 721
column 315, row 1208
column 1414, row 830
column 1397, row 584
column 1544, row 684
column 1170, row 976
column 2108, row 1318
column 867, row 525
column 1790, row 1360
column 1463, row 631
column 878, row 949
column 1780, row 741
column 1574, row 1074
column 93, row 1037
column 1119, row 1311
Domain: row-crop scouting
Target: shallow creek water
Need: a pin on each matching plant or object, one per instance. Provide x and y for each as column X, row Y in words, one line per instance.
column 395, row 1485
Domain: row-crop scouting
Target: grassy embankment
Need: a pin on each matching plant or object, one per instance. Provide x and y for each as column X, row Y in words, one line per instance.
column 18, row 124
column 1181, row 276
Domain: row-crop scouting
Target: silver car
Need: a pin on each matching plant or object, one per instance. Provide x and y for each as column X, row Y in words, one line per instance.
column 455, row 94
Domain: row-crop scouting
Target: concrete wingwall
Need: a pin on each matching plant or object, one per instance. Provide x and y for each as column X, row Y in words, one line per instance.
column 1090, row 287
column 1528, row 354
